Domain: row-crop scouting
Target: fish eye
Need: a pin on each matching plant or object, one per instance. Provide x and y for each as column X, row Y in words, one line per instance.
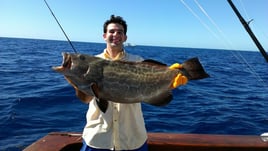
column 82, row 57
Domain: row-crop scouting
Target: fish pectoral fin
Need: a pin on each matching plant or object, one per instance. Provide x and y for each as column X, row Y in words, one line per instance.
column 160, row 100
column 95, row 89
column 102, row 104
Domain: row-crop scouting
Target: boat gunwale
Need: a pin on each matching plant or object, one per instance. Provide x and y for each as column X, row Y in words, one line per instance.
column 65, row 141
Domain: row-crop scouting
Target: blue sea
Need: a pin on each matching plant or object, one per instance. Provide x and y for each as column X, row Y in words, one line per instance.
column 35, row 100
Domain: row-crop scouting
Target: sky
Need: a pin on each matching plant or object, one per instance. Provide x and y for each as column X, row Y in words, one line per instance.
column 172, row 23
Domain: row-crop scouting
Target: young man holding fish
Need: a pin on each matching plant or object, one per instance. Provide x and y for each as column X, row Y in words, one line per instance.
column 118, row 126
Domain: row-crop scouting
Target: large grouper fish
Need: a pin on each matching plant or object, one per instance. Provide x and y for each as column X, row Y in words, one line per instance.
column 123, row 81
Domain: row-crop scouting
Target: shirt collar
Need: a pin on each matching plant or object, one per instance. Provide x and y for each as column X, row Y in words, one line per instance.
column 118, row 57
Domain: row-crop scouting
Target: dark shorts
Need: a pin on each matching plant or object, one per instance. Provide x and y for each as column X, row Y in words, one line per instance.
column 144, row 147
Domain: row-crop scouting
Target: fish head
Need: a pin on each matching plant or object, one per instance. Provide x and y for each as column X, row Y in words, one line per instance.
column 73, row 65
column 75, row 68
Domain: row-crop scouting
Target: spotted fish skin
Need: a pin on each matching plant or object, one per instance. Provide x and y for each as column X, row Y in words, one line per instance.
column 122, row 81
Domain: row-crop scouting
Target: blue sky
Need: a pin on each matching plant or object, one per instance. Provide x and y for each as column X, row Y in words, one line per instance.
column 150, row 22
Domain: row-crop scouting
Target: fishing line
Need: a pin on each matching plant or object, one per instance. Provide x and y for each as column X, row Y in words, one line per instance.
column 244, row 9
column 261, row 32
column 239, row 57
column 200, row 20
column 60, row 26
column 213, row 22
column 229, row 42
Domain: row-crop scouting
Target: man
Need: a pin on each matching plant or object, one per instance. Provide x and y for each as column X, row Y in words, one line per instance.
column 121, row 126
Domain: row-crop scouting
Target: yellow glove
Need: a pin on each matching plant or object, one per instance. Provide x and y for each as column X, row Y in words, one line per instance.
column 175, row 66
column 179, row 79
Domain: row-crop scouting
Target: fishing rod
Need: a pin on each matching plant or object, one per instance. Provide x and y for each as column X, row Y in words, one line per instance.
column 247, row 28
column 60, row 26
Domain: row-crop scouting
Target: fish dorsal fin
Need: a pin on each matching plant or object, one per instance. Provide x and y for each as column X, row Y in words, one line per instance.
column 153, row 62
column 160, row 100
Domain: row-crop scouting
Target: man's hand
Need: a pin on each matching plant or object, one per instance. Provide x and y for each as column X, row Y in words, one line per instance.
column 81, row 95
column 179, row 79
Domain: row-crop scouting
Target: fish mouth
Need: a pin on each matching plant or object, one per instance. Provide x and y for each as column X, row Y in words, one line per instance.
column 67, row 61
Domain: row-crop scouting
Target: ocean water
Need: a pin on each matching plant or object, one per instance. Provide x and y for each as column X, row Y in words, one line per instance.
column 34, row 100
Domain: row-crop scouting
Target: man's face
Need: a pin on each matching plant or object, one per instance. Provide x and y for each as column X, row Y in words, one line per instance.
column 115, row 35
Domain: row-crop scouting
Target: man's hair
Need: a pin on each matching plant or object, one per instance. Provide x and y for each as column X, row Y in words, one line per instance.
column 115, row 19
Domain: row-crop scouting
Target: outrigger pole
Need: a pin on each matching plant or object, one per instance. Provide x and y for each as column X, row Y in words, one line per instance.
column 246, row 26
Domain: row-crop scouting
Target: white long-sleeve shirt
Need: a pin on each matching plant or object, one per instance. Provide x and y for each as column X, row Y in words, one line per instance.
column 121, row 127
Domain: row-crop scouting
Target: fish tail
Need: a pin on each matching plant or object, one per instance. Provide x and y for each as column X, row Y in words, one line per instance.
column 193, row 69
